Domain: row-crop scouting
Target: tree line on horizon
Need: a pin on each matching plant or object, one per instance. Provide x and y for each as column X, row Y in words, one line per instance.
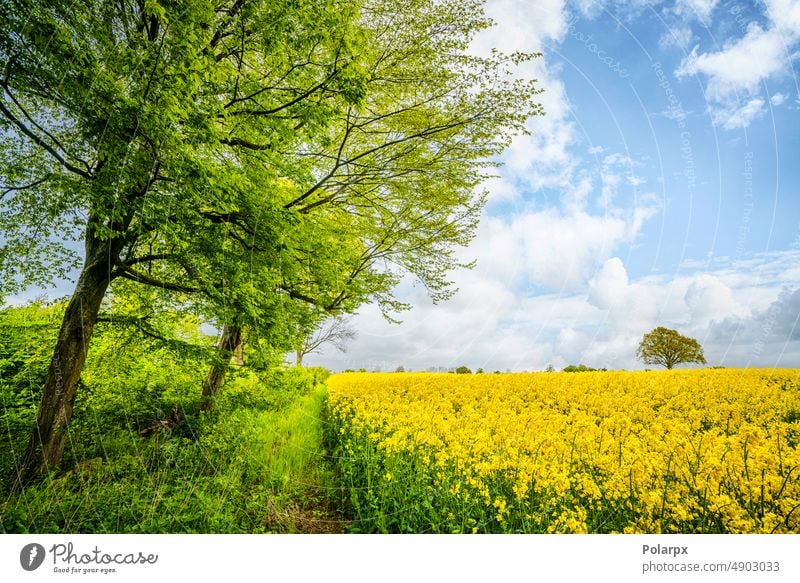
column 661, row 347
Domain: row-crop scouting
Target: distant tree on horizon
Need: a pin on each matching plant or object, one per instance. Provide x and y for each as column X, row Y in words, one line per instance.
column 579, row 368
column 667, row 347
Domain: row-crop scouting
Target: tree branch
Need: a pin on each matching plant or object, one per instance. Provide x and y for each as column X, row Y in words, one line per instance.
column 142, row 325
column 7, row 189
column 245, row 144
column 295, row 295
column 147, row 259
column 32, row 121
column 306, row 94
column 220, row 34
column 426, row 133
column 41, row 143
column 139, row 277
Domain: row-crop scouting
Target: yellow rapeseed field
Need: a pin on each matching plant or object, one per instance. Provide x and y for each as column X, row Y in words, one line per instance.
column 712, row 450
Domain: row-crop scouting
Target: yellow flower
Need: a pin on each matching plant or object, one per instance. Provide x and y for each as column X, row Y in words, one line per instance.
column 667, row 448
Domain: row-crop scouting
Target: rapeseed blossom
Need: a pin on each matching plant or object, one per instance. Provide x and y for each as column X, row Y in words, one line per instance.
column 712, row 450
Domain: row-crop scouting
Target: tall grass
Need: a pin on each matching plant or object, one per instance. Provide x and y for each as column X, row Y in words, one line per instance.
column 256, row 465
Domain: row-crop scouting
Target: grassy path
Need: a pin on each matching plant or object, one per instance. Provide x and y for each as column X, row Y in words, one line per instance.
column 302, row 480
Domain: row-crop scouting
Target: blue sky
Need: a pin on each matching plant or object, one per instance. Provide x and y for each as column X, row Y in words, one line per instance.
column 661, row 188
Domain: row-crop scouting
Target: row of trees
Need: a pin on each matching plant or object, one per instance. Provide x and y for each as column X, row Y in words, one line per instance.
column 263, row 164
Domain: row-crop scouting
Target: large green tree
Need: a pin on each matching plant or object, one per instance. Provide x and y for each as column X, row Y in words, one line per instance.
column 666, row 347
column 242, row 158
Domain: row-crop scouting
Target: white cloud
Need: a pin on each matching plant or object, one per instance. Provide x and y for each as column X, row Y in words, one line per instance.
column 768, row 337
column 614, row 169
column 501, row 189
column 785, row 15
column 557, row 249
column 618, row 159
column 709, row 299
column 522, row 24
column 777, row 99
column 739, row 117
column 699, row 9
column 680, row 38
column 589, row 8
column 541, row 159
column 735, row 74
column 703, row 305
column 690, row 263
column 630, row 310
column 610, row 182
column 608, row 287
column 741, row 66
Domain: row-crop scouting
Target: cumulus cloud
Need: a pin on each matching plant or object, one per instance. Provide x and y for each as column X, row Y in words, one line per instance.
column 554, row 248
column 543, row 158
column 629, row 310
column 741, row 65
column 785, row 16
column 734, row 74
column 524, row 23
column 769, row 337
column 609, row 286
column 709, row 299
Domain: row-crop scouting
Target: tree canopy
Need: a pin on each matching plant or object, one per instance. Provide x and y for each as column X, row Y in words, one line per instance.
column 253, row 153
column 666, row 347
column 244, row 160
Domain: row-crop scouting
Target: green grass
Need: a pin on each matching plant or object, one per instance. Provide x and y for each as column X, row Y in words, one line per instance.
column 301, row 479
column 256, row 465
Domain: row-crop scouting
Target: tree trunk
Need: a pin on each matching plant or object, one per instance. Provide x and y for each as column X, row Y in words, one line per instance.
column 238, row 355
column 298, row 358
column 229, row 343
column 45, row 449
